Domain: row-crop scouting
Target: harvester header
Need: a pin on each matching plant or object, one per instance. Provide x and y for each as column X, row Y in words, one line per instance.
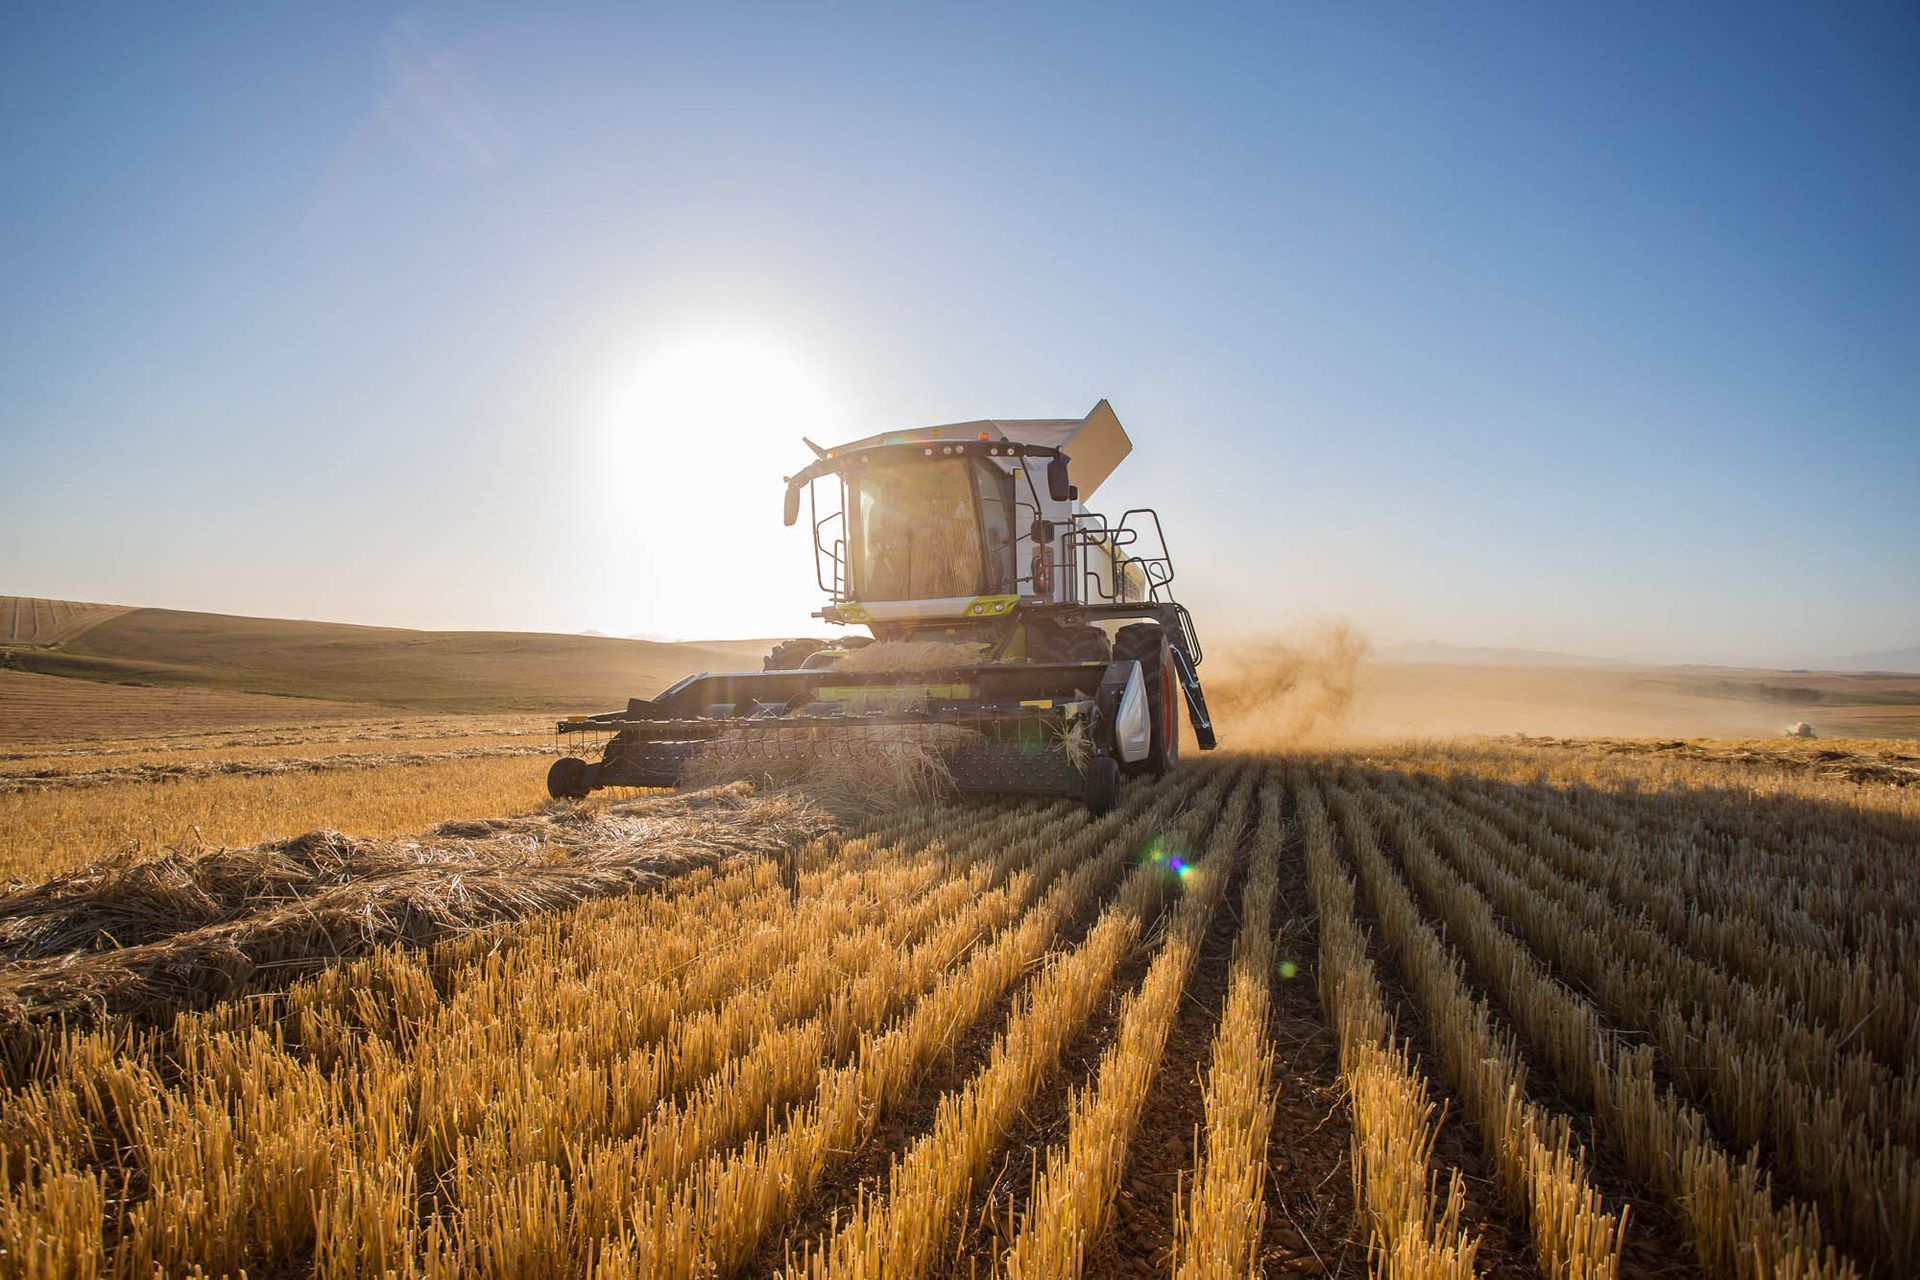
column 1033, row 642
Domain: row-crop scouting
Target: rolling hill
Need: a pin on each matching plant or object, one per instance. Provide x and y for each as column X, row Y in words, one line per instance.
column 436, row 671
column 314, row 669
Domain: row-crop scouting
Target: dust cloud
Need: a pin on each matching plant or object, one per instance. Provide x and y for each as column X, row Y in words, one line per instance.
column 1289, row 688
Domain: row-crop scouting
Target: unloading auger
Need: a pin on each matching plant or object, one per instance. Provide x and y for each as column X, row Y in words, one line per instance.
column 1059, row 656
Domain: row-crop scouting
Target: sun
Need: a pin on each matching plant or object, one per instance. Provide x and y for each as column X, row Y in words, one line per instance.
column 698, row 432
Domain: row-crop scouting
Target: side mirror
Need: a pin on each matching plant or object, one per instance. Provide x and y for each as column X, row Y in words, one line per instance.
column 1059, row 486
column 792, row 511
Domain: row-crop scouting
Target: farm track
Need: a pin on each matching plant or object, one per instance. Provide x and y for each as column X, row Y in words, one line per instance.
column 1327, row 1015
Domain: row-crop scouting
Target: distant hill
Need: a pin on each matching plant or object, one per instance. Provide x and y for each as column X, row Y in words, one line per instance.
column 131, row 666
column 1433, row 651
column 1901, row 660
column 442, row 671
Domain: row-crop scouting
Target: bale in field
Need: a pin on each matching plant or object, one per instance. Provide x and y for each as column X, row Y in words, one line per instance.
column 1802, row 730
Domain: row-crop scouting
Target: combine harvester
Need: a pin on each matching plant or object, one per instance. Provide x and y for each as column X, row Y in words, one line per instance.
column 1058, row 656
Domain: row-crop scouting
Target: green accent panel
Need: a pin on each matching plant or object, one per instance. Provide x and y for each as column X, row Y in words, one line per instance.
column 893, row 692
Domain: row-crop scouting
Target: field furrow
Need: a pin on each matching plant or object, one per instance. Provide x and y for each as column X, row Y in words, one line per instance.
column 718, row 1218
column 1413, row 1228
column 1830, row 1118
column 1218, row 1231
column 1073, row 1199
column 1730, row 1206
column 1542, row 1165
column 1859, row 992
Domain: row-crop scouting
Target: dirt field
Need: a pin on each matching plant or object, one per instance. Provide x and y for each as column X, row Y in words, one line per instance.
column 1494, row 1007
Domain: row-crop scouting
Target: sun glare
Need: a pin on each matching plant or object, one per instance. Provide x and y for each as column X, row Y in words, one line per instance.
column 696, row 439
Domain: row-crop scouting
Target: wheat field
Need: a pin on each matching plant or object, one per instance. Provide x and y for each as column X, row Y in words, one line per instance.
column 1562, row 1008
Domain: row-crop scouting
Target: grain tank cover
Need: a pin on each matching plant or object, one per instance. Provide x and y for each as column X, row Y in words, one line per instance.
column 1097, row 443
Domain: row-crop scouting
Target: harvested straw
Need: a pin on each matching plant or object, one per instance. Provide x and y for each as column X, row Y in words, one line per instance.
column 912, row 656
column 151, row 937
column 173, row 771
column 852, row 771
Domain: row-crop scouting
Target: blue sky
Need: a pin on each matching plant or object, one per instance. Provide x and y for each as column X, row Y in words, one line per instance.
column 1590, row 330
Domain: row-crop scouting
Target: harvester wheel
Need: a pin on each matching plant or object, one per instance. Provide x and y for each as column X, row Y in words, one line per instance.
column 1048, row 641
column 1146, row 644
column 789, row 654
column 1102, row 784
column 567, row 779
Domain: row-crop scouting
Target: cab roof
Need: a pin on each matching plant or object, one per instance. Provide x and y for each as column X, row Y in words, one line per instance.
column 1097, row 443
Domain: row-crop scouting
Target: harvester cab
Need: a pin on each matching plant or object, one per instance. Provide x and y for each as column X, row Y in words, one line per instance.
column 1033, row 642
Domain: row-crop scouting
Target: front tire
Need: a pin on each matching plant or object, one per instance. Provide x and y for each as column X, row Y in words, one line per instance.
column 1101, row 785
column 567, row 779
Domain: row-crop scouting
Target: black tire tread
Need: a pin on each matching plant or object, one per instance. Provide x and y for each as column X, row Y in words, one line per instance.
column 1051, row 642
column 789, row 654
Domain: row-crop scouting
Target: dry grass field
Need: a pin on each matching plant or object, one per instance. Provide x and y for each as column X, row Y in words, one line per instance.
column 65, row 803
column 51, row 828
column 27, row 620
column 1400, row 700
column 1491, row 1007
column 39, row 708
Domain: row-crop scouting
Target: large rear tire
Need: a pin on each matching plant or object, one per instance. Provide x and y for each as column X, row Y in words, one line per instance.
column 789, row 654
column 1146, row 643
